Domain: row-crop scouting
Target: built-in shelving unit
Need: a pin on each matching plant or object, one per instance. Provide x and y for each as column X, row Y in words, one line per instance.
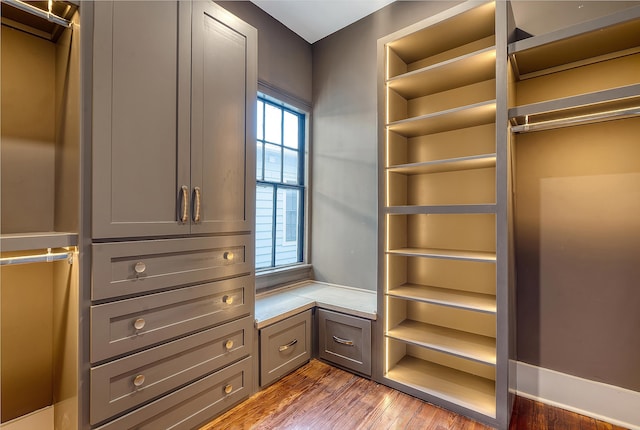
column 440, row 209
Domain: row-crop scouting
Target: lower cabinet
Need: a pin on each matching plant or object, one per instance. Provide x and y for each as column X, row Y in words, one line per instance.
column 345, row 340
column 284, row 346
column 194, row 404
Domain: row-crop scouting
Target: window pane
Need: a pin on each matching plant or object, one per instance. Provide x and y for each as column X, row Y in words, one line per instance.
column 287, row 226
column 264, row 225
column 259, row 150
column 260, row 130
column 291, row 130
column 273, row 124
column 290, row 168
column 272, row 163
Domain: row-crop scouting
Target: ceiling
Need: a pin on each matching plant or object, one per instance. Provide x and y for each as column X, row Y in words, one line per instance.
column 316, row 19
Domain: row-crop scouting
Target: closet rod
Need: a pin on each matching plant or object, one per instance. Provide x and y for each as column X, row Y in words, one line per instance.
column 577, row 120
column 42, row 258
column 26, row 7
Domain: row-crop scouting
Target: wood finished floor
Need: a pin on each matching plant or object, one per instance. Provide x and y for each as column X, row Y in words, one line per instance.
column 318, row 396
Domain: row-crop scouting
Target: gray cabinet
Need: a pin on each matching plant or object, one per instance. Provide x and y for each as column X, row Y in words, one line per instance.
column 173, row 198
column 345, row 340
column 172, row 123
column 284, row 346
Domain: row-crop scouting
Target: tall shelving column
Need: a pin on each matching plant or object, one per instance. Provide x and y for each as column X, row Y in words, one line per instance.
column 441, row 223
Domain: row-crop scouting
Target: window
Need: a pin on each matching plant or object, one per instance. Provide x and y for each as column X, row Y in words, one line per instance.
column 279, row 185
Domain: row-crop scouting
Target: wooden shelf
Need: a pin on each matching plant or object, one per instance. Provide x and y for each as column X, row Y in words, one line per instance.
column 584, row 43
column 455, row 27
column 489, row 208
column 488, row 257
column 38, row 240
column 464, row 70
column 448, row 165
column 446, row 297
column 464, row 389
column 451, row 119
column 455, row 342
column 582, row 108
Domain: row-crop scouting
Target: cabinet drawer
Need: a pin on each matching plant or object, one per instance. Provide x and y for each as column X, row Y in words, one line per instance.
column 284, row 346
column 345, row 340
column 128, row 325
column 193, row 405
column 130, row 268
column 128, row 382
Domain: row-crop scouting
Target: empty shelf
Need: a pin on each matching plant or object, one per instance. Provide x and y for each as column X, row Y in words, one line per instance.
column 465, row 70
column 448, row 165
column 579, row 44
column 451, row 119
column 37, row 240
column 455, row 342
column 489, row 208
column 446, row 254
column 461, row 388
column 446, row 297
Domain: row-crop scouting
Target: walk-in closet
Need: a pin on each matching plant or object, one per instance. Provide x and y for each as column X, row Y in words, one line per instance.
column 39, row 214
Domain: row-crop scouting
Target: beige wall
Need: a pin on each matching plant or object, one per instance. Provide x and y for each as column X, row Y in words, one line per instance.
column 28, row 132
column 578, row 251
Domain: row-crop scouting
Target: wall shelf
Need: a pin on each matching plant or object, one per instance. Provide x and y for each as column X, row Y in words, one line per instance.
column 442, row 209
column 464, row 70
column 488, row 257
column 445, row 297
column 448, row 165
column 450, row 341
column 465, row 389
column 38, row 240
column 585, row 43
column 451, row 119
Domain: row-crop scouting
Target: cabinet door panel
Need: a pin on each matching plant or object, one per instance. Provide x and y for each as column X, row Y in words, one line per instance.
column 223, row 120
column 137, row 132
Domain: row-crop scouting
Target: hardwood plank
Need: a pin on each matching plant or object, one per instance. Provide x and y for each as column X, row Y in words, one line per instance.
column 318, row 396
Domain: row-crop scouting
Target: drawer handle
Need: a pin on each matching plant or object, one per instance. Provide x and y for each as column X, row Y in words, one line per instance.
column 140, row 267
column 287, row 346
column 184, row 216
column 228, row 299
column 228, row 389
column 228, row 255
column 342, row 341
column 197, row 199
column 228, row 344
column 138, row 380
column 139, row 323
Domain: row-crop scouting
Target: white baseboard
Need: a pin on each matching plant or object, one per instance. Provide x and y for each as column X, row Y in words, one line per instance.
column 604, row 402
column 41, row 419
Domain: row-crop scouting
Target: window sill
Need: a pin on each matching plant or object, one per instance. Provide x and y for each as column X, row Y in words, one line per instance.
column 272, row 278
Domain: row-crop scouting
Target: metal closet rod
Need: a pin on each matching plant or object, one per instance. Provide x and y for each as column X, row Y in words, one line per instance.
column 41, row 258
column 26, row 7
column 577, row 120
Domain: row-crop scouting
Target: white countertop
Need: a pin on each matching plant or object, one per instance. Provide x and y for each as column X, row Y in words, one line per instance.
column 282, row 303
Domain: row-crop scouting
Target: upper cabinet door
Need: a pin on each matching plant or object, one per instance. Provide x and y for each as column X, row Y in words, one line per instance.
column 223, row 115
column 141, row 75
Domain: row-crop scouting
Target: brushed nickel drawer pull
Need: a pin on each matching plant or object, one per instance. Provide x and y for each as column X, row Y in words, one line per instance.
column 138, row 380
column 287, row 346
column 139, row 323
column 228, row 389
column 184, row 217
column 140, row 268
column 196, row 210
column 343, row 341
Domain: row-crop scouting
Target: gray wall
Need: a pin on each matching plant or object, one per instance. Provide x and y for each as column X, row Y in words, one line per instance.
column 284, row 58
column 345, row 142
